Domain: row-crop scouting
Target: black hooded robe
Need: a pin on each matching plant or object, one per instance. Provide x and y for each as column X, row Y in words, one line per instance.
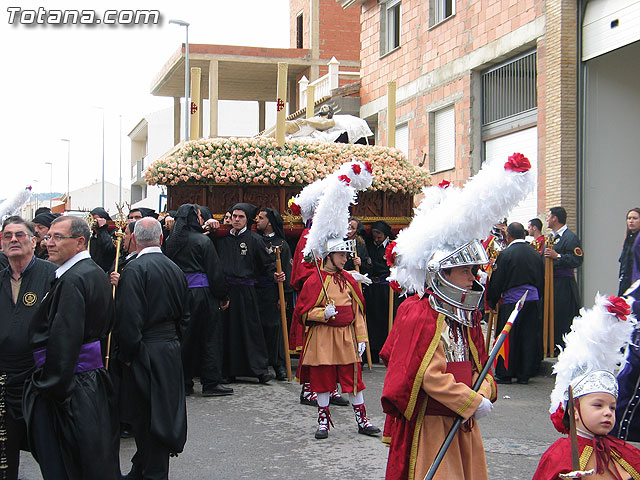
column 244, row 257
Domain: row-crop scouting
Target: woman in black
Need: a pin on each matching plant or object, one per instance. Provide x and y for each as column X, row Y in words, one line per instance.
column 626, row 257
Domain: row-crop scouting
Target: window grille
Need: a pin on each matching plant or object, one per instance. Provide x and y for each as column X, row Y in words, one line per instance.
column 509, row 89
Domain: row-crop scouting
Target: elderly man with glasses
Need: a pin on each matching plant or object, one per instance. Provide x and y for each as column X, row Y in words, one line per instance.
column 69, row 403
column 23, row 285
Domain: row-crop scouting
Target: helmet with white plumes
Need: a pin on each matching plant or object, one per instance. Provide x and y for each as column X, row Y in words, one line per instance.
column 445, row 234
column 331, row 217
column 592, row 353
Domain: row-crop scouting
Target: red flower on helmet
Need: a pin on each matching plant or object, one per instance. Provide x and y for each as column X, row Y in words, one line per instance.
column 518, row 163
column 356, row 169
column 556, row 419
column 444, row 184
column 395, row 286
column 295, row 209
column 345, row 179
column 619, row 307
column 367, row 165
column 389, row 254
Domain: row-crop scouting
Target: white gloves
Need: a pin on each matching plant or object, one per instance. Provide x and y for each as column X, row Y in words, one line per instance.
column 330, row 311
column 359, row 277
column 484, row 408
column 362, row 346
column 482, row 277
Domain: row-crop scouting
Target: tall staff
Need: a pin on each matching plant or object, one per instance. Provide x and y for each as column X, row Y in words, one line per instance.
column 548, row 322
column 121, row 221
column 367, row 347
column 476, row 386
column 283, row 316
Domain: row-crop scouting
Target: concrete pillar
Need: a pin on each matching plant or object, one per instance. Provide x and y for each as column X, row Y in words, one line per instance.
column 334, row 69
column 262, row 114
column 213, row 98
column 293, row 98
column 391, row 114
column 194, row 108
column 311, row 100
column 176, row 120
column 303, row 83
column 314, row 30
column 559, row 103
column 281, row 111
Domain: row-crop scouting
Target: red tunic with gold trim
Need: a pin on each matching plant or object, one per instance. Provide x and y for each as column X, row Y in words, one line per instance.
column 623, row 457
column 421, row 396
column 325, row 343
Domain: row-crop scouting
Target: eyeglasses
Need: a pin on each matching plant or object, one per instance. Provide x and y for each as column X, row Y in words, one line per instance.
column 20, row 236
column 57, row 237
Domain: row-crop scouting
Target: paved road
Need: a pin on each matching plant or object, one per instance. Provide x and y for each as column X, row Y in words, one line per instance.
column 263, row 432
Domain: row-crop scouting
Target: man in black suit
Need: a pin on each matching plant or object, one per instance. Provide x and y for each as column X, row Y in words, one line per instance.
column 567, row 256
column 518, row 268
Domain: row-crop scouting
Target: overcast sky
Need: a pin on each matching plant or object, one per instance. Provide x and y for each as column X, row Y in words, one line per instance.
column 54, row 77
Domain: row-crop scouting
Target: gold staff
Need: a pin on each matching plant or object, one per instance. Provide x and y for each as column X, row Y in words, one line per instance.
column 367, row 349
column 121, row 222
column 548, row 322
column 283, row 315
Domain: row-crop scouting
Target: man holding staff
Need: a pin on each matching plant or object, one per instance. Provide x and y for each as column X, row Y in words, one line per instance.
column 566, row 255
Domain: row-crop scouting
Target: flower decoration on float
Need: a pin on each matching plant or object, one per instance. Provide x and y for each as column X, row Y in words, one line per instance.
column 260, row 161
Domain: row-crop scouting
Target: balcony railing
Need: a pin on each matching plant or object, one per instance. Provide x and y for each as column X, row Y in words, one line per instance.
column 325, row 84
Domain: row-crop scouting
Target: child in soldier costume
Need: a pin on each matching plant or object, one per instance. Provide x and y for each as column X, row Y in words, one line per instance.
column 331, row 305
column 435, row 351
column 587, row 364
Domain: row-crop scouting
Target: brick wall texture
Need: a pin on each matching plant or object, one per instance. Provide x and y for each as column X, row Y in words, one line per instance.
column 442, row 48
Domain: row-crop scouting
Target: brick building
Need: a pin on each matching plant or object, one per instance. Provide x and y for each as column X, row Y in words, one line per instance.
column 479, row 80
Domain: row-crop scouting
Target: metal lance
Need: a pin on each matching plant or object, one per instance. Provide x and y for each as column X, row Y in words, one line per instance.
column 120, row 222
column 283, row 316
column 324, row 290
column 476, row 386
column 367, row 348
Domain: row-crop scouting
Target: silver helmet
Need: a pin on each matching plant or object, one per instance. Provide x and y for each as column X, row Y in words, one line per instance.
column 340, row 245
column 455, row 302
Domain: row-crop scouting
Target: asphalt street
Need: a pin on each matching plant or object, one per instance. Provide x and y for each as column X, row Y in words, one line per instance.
column 263, row 432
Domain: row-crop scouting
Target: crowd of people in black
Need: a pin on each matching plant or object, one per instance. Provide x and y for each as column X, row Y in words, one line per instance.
column 89, row 352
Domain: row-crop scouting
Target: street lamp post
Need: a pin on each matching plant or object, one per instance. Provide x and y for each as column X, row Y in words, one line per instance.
column 67, row 205
column 102, row 110
column 182, row 23
column 50, row 182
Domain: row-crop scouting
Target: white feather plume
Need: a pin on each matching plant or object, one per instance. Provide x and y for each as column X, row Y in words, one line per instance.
column 593, row 343
column 11, row 206
column 308, row 198
column 331, row 218
column 454, row 217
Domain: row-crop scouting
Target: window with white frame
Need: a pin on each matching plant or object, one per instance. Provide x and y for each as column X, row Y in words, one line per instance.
column 440, row 10
column 442, row 140
column 389, row 26
column 402, row 138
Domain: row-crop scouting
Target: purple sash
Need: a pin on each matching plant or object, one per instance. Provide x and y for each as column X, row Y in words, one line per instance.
column 197, row 280
column 90, row 357
column 563, row 272
column 514, row 294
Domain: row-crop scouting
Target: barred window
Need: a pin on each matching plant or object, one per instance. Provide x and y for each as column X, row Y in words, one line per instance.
column 509, row 89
